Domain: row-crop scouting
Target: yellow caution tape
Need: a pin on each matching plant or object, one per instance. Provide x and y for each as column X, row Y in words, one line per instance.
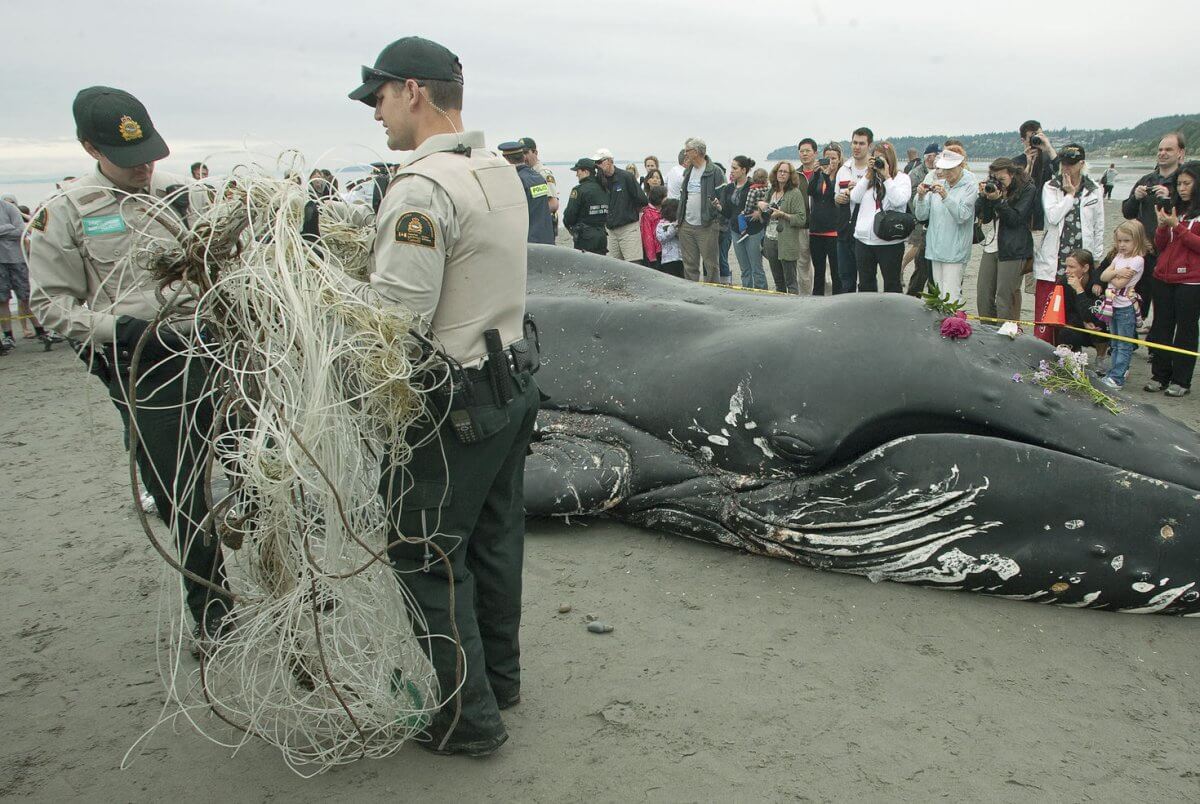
column 1096, row 332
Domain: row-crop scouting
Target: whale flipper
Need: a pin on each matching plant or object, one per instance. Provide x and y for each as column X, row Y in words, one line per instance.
column 583, row 463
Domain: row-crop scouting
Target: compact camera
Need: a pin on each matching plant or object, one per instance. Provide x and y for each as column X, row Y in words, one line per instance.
column 1036, row 141
column 823, row 161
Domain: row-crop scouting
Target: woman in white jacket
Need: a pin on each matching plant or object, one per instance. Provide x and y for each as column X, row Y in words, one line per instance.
column 1074, row 207
column 883, row 188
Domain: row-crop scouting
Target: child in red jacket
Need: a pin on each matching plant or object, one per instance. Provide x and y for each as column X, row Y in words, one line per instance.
column 651, row 215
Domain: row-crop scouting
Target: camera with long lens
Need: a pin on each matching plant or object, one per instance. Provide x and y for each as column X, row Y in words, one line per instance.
column 878, row 163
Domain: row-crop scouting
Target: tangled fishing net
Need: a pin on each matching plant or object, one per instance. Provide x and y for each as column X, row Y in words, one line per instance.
column 314, row 391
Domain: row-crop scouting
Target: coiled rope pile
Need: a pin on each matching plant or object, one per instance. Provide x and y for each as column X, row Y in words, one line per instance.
column 314, row 390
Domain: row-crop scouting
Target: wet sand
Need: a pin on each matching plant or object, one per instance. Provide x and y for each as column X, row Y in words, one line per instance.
column 728, row 676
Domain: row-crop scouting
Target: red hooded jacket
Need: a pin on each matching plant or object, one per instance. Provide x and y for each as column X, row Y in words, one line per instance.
column 650, row 245
column 1178, row 253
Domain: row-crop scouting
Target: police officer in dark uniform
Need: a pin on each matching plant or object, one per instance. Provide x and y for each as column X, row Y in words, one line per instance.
column 450, row 246
column 88, row 252
column 587, row 210
column 537, row 194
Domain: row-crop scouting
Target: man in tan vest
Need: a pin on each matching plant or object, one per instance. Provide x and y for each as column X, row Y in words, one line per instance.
column 451, row 247
column 89, row 252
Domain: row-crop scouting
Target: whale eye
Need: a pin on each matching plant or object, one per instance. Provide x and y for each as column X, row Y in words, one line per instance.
column 794, row 449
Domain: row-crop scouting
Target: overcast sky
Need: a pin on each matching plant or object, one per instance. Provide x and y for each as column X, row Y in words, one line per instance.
column 635, row 77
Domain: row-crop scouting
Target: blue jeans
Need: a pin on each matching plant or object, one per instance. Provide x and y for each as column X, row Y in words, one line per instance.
column 724, row 241
column 749, row 257
column 1124, row 322
column 847, row 265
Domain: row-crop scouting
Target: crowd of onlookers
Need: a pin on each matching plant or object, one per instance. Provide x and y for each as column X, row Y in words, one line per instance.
column 836, row 222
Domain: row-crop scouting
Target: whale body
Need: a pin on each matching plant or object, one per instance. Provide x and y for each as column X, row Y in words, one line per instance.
column 845, row 434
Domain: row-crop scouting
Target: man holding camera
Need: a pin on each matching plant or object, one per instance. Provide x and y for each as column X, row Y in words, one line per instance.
column 848, row 175
column 1039, row 160
column 1154, row 190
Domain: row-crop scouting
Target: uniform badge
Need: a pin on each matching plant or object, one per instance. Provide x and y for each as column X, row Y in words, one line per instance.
column 38, row 224
column 574, row 194
column 416, row 228
column 130, row 129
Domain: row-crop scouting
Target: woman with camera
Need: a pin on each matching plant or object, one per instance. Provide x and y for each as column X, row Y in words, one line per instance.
column 880, row 190
column 947, row 202
column 826, row 217
column 1074, row 220
column 1177, row 291
column 786, row 213
column 1006, row 199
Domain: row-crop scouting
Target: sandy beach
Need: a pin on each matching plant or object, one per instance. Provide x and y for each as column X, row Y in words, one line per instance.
column 727, row 677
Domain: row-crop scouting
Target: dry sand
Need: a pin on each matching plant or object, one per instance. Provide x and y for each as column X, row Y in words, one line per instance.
column 728, row 677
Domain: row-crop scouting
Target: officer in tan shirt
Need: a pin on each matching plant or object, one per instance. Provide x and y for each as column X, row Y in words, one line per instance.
column 451, row 246
column 89, row 250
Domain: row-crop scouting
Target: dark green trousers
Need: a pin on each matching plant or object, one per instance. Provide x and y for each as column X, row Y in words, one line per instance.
column 470, row 498
column 174, row 416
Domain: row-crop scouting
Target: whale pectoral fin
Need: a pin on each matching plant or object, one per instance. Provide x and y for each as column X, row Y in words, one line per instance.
column 574, row 475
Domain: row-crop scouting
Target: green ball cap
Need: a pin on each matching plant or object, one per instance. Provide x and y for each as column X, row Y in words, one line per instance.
column 410, row 57
column 118, row 125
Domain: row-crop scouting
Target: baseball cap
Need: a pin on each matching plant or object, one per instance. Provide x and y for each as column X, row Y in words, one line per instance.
column 583, row 163
column 528, row 144
column 118, row 125
column 949, row 159
column 601, row 155
column 933, row 148
column 1071, row 154
column 410, row 57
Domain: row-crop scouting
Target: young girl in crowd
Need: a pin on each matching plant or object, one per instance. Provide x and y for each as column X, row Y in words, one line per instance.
column 1081, row 291
column 667, row 232
column 1122, row 275
column 651, row 215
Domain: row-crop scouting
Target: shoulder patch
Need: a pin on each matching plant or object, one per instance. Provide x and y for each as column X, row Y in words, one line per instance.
column 416, row 228
column 550, row 177
column 38, row 224
column 574, row 193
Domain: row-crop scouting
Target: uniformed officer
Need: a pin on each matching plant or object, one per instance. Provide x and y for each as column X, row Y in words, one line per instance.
column 587, row 210
column 537, row 194
column 535, row 161
column 451, row 248
column 88, row 247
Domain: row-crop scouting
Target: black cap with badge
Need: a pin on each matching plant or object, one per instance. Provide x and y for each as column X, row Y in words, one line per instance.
column 410, row 57
column 118, row 125
column 1072, row 154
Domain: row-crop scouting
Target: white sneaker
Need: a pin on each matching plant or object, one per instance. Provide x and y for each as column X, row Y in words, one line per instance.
column 1109, row 382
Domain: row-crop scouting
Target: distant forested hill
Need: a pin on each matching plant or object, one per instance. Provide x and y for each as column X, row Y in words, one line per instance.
column 1141, row 140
